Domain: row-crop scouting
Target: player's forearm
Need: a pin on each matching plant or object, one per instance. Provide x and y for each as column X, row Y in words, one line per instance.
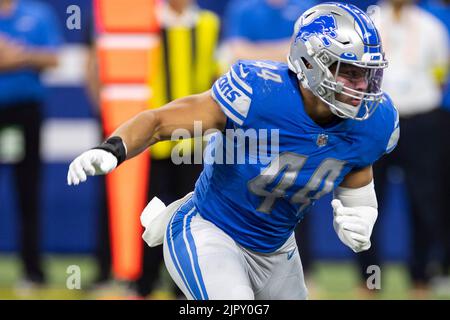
column 130, row 139
column 138, row 133
column 151, row 126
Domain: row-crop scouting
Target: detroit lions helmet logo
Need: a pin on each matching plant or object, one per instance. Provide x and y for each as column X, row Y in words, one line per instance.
column 322, row 27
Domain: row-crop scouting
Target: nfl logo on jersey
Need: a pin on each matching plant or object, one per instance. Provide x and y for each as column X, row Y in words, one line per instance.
column 322, row 140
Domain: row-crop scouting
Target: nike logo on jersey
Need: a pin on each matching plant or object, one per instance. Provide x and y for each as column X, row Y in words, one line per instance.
column 243, row 73
column 291, row 253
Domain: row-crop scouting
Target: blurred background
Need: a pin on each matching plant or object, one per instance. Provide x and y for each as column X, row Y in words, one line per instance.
column 71, row 71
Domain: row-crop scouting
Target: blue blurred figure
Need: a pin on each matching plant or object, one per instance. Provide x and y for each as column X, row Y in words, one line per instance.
column 260, row 29
column 414, row 81
column 441, row 10
column 29, row 37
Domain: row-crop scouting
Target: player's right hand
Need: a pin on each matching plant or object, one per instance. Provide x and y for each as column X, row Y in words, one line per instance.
column 354, row 225
column 90, row 163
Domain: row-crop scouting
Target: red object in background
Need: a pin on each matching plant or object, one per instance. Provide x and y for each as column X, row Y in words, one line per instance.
column 127, row 58
column 127, row 185
column 127, row 42
column 134, row 16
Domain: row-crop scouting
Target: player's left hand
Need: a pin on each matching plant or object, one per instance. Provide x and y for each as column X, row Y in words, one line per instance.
column 354, row 225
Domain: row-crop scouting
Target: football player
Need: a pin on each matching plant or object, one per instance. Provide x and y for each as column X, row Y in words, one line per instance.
column 232, row 238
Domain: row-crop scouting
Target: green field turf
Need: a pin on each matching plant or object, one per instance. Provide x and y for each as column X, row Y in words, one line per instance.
column 329, row 280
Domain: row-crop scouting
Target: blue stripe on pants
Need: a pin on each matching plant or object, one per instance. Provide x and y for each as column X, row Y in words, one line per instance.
column 183, row 251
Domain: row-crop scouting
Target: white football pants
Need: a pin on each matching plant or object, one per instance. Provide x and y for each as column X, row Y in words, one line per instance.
column 206, row 263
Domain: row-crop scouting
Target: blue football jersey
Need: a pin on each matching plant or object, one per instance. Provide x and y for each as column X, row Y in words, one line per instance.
column 258, row 202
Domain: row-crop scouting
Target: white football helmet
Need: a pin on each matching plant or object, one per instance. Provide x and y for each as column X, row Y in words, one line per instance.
column 330, row 35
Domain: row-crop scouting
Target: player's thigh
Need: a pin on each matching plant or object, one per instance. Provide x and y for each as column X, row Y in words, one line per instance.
column 287, row 280
column 203, row 261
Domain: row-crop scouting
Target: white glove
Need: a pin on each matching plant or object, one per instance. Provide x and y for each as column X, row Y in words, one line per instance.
column 90, row 163
column 354, row 225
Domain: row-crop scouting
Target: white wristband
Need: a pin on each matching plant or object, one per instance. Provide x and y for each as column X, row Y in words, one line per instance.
column 359, row 197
